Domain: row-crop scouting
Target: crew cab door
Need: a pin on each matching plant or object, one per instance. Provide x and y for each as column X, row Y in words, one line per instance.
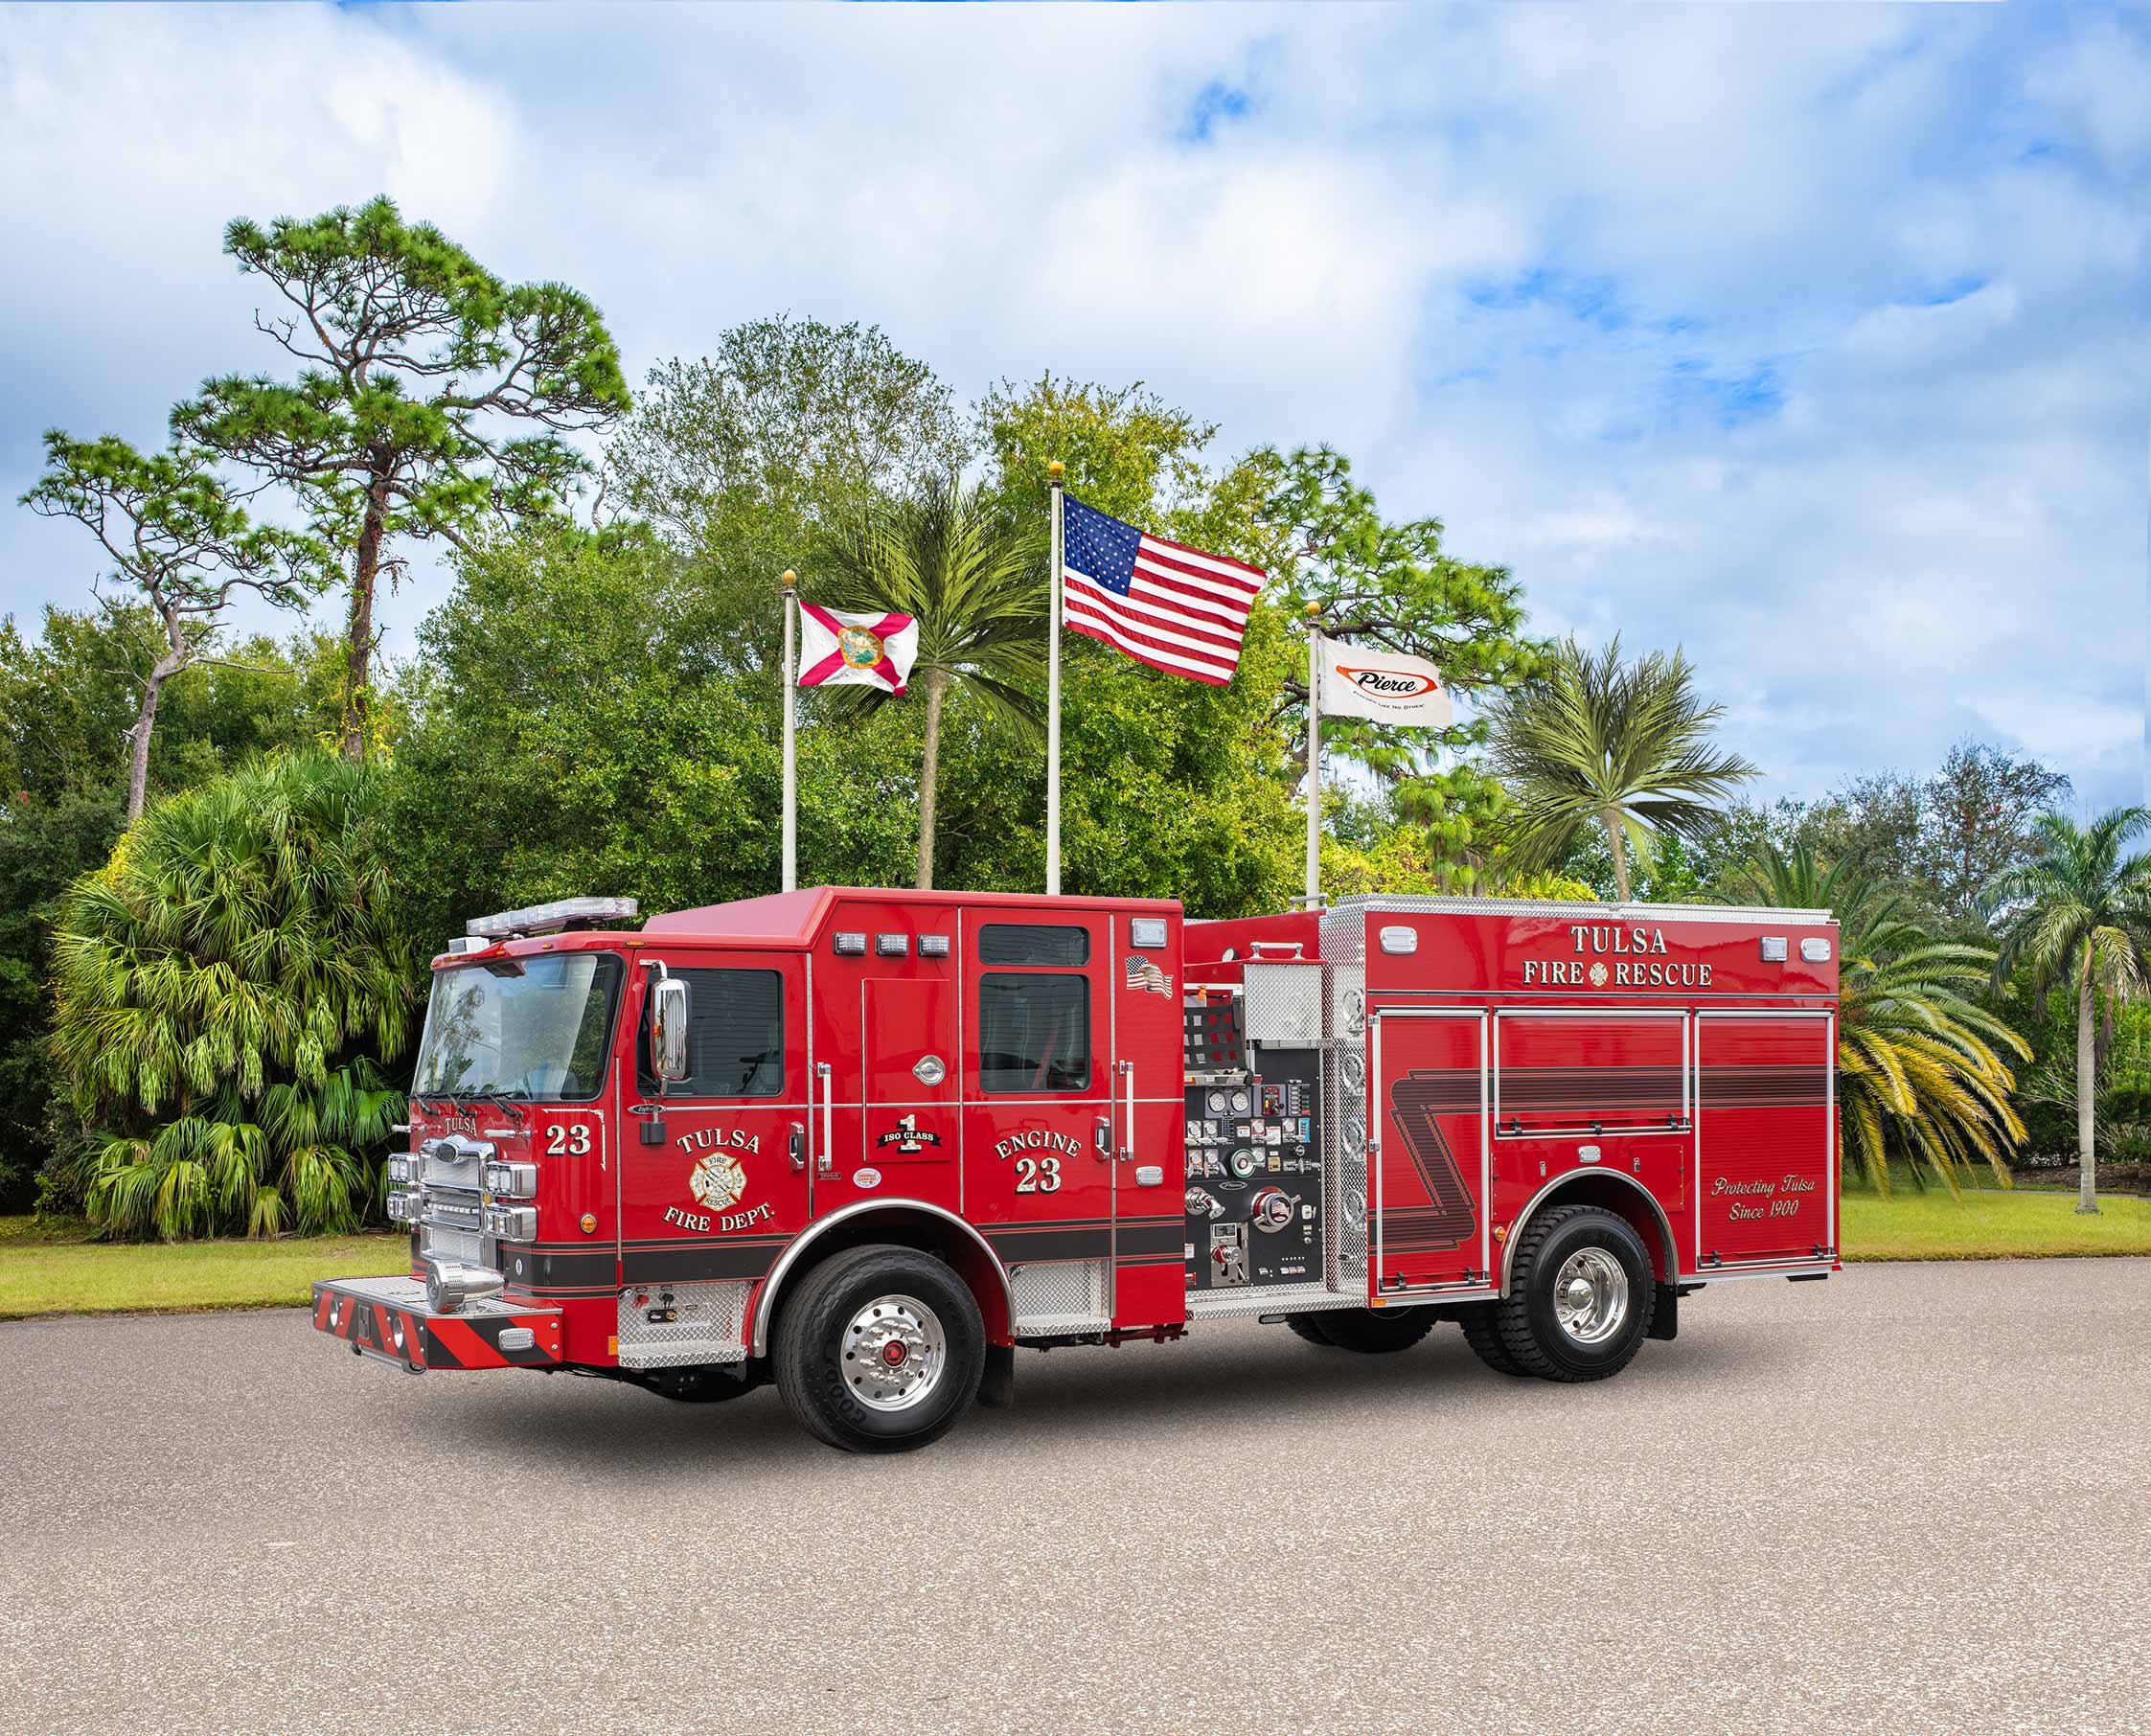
column 1039, row 1107
column 713, row 1169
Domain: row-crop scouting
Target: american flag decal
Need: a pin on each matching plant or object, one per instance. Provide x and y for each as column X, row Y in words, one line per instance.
column 1143, row 974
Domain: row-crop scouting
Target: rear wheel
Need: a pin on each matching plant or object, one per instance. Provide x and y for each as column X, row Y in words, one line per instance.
column 1310, row 1328
column 879, row 1350
column 1580, row 1299
column 1375, row 1331
column 1482, row 1332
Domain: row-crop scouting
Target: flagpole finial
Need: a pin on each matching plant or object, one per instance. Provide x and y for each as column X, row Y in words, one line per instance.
column 1055, row 468
column 789, row 579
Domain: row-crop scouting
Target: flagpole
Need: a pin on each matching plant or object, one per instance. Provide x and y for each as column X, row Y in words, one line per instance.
column 1053, row 697
column 790, row 582
column 1314, row 755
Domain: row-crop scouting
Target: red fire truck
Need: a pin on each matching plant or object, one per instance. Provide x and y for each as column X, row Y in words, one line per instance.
column 866, row 1144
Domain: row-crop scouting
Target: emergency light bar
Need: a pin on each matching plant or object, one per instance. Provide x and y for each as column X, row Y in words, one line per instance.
column 552, row 919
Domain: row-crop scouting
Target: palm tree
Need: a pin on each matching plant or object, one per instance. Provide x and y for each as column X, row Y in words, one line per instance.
column 1918, row 1066
column 2080, row 913
column 979, row 595
column 222, row 990
column 1624, row 748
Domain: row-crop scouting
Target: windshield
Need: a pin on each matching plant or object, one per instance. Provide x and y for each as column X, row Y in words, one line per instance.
column 529, row 1027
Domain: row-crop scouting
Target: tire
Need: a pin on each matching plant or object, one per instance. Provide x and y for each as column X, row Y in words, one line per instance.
column 1310, row 1328
column 1561, row 1248
column 840, row 1327
column 1482, row 1332
column 1375, row 1331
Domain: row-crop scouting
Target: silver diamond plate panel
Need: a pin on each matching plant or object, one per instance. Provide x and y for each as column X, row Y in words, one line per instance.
column 409, row 1292
column 1283, row 1004
column 1059, row 1295
column 1268, row 1299
column 712, row 1319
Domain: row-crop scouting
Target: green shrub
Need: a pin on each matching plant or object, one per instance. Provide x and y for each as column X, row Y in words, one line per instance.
column 228, row 989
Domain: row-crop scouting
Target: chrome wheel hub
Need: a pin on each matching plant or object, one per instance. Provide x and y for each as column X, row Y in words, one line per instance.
column 894, row 1352
column 1590, row 1295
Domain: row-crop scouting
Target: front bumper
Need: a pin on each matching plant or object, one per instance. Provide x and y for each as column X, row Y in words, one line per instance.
column 388, row 1318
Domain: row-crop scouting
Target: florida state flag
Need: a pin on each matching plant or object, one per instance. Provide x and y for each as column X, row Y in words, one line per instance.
column 836, row 647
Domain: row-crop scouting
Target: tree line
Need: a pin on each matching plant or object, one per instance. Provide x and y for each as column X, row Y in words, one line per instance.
column 231, row 856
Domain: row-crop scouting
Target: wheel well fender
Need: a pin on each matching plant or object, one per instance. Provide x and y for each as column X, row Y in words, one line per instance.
column 909, row 1223
column 1613, row 1191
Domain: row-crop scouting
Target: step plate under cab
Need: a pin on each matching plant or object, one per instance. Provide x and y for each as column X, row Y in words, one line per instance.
column 387, row 1317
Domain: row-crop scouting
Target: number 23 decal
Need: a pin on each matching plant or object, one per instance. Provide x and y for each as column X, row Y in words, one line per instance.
column 1038, row 1175
column 563, row 1141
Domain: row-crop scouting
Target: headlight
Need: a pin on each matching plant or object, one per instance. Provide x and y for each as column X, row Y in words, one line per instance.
column 512, row 1181
column 512, row 1223
column 405, row 1208
column 400, row 1168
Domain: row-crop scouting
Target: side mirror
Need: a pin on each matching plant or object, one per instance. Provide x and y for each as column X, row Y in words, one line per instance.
column 668, row 1029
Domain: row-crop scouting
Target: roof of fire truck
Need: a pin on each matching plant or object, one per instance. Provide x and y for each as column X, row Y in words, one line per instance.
column 799, row 916
column 797, row 919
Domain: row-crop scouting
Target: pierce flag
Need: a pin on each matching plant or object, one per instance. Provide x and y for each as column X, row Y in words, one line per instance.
column 844, row 648
column 1385, row 686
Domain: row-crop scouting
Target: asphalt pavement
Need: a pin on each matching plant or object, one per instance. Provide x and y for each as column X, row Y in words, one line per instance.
column 1915, row 1499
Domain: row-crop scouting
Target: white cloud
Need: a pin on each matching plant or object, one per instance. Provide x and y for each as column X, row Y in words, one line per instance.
column 1813, row 341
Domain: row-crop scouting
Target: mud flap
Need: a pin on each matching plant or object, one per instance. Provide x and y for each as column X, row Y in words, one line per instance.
column 1665, row 1311
column 997, row 1381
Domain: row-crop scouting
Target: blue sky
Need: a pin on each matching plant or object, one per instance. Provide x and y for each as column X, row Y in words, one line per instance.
column 1814, row 340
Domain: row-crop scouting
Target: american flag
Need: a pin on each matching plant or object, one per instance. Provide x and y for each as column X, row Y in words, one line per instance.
column 1143, row 974
column 1171, row 607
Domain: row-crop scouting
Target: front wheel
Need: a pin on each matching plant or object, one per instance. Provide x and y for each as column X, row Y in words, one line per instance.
column 1580, row 1298
column 879, row 1350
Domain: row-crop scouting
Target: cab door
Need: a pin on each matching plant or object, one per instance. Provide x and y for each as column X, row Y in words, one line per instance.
column 713, row 1169
column 1038, row 1104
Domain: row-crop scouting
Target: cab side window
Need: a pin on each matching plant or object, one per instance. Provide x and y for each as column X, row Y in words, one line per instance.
column 1033, row 1031
column 735, row 1036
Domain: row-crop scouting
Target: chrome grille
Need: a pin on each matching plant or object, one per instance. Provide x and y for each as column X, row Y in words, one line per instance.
column 441, row 1242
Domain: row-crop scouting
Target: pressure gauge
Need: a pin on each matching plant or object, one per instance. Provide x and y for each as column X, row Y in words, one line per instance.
column 1216, row 1103
column 1240, row 1101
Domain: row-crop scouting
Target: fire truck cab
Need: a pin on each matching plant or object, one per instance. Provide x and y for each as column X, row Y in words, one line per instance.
column 865, row 1144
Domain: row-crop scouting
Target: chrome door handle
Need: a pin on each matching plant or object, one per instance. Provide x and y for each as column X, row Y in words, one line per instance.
column 1101, row 1136
column 825, row 1163
column 1127, row 1099
column 796, row 1146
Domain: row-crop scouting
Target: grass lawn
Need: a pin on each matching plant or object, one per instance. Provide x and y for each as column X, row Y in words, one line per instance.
column 50, row 1269
column 1988, row 1224
column 44, row 1270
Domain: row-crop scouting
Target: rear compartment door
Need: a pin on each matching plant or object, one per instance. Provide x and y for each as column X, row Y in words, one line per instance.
column 1428, row 1162
column 1766, row 1139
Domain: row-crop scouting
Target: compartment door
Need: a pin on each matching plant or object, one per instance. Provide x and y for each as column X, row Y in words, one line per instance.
column 1429, row 1172
column 1766, row 1139
column 893, row 1092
